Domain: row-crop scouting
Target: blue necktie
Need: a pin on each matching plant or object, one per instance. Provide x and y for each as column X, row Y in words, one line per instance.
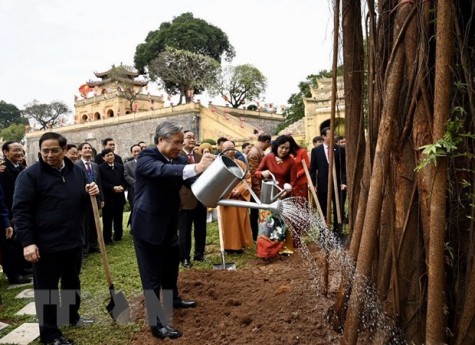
column 90, row 173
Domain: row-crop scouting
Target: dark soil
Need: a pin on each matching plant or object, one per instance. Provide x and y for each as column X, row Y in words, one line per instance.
column 274, row 302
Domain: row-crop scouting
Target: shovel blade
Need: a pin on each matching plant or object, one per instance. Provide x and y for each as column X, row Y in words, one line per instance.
column 229, row 266
column 118, row 307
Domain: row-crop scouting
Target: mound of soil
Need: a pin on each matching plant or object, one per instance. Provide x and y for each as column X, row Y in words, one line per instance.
column 275, row 302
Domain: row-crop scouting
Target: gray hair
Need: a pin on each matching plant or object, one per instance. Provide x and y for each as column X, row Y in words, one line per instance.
column 166, row 129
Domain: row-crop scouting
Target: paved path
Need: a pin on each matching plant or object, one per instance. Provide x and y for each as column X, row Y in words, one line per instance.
column 27, row 332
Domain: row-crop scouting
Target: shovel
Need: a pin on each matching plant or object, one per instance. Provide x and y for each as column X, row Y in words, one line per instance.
column 118, row 306
column 222, row 266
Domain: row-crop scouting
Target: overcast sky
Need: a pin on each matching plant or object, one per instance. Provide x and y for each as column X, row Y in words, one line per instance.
column 50, row 47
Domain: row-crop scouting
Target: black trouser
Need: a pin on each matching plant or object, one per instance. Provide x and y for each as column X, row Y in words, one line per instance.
column 90, row 232
column 13, row 261
column 158, row 267
column 55, row 306
column 322, row 199
column 187, row 218
column 112, row 213
column 254, row 219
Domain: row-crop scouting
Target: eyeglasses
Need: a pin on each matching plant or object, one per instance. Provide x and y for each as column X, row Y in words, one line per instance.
column 53, row 151
column 175, row 143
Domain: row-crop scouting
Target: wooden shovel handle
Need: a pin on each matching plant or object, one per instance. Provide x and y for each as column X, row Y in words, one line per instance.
column 100, row 240
column 337, row 195
column 220, row 230
column 312, row 190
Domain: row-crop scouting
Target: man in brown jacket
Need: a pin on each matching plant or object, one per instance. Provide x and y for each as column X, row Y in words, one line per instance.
column 192, row 211
column 254, row 158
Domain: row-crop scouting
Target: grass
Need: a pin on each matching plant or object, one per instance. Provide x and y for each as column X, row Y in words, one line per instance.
column 95, row 292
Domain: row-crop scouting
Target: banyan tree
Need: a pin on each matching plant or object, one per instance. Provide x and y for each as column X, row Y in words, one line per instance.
column 409, row 74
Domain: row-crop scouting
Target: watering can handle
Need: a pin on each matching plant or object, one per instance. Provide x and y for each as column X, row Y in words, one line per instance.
column 271, row 174
column 245, row 159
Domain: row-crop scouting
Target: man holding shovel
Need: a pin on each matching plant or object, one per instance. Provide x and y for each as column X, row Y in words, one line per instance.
column 49, row 204
column 160, row 173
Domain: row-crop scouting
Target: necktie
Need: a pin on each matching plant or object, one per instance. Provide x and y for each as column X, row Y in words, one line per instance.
column 90, row 173
column 190, row 156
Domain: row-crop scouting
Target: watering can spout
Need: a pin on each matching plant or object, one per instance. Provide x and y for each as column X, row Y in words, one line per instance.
column 275, row 207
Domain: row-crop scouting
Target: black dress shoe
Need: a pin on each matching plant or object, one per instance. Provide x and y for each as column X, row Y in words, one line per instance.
column 199, row 258
column 94, row 250
column 183, row 304
column 186, row 263
column 60, row 341
column 19, row 280
column 163, row 332
column 27, row 271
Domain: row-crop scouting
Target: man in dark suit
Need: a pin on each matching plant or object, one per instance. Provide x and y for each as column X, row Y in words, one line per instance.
column 192, row 211
column 160, row 173
column 108, row 143
column 319, row 173
column 14, row 265
column 129, row 174
column 93, row 175
column 113, row 183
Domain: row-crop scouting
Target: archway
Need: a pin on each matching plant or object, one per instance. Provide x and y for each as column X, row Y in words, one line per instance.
column 84, row 118
column 110, row 113
column 97, row 116
column 339, row 126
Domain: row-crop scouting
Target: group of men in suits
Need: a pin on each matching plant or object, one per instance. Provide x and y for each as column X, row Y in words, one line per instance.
column 113, row 177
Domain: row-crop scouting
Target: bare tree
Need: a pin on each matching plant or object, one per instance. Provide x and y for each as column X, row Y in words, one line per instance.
column 47, row 115
column 236, row 84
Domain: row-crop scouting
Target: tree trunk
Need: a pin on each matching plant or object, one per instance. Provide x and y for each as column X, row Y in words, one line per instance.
column 436, row 271
column 353, row 79
column 378, row 180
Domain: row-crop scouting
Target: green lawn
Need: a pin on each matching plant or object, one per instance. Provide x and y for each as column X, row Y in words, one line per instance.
column 95, row 292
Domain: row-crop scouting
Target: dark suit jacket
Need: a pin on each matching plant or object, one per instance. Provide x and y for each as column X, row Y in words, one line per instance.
column 157, row 198
column 129, row 174
column 319, row 166
column 187, row 198
column 97, row 176
column 110, row 178
column 7, row 180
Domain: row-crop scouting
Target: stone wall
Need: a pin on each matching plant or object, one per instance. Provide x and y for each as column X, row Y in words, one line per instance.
column 127, row 130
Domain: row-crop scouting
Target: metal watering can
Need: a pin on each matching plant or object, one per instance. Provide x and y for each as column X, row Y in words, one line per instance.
column 270, row 191
column 222, row 176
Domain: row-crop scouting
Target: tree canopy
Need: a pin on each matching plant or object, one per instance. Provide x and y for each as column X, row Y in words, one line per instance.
column 10, row 114
column 237, row 84
column 47, row 115
column 184, row 33
column 15, row 131
column 183, row 72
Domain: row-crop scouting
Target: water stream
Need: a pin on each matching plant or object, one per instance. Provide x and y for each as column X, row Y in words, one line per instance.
column 297, row 215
